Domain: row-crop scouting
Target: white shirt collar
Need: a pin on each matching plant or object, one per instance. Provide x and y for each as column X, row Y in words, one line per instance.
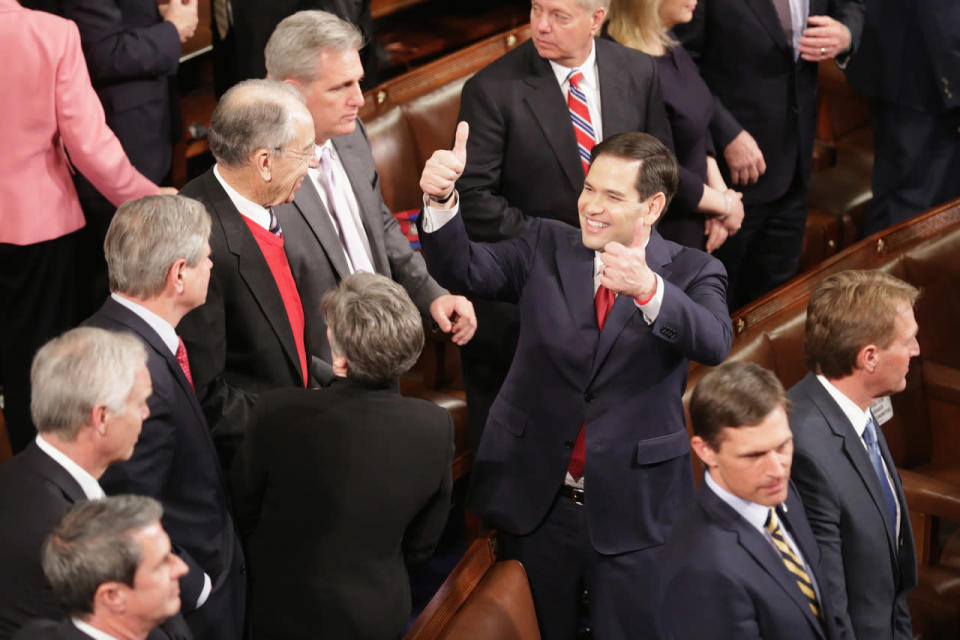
column 314, row 172
column 163, row 328
column 754, row 513
column 247, row 208
column 91, row 488
column 91, row 631
column 588, row 69
column 857, row 416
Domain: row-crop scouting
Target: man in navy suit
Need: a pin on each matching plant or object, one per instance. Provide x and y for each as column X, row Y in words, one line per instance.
column 742, row 563
column 584, row 462
column 859, row 338
column 158, row 254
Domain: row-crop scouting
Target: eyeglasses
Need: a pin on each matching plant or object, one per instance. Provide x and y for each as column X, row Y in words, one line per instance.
column 302, row 155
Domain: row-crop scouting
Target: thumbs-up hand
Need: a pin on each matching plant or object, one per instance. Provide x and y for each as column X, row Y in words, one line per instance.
column 440, row 174
column 625, row 268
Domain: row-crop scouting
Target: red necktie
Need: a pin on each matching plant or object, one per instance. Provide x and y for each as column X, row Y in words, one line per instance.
column 183, row 361
column 603, row 302
column 580, row 115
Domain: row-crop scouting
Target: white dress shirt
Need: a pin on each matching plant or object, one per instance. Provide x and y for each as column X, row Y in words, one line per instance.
column 91, row 631
column 163, row 328
column 858, row 420
column 91, row 488
column 247, row 208
column 589, row 85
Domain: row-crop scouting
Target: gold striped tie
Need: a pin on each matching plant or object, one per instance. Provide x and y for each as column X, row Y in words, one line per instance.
column 221, row 17
column 792, row 562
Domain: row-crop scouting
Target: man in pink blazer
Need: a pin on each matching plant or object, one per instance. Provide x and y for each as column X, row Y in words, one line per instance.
column 50, row 110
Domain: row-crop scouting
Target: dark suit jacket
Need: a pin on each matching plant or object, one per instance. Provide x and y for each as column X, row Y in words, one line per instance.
column 239, row 341
column 316, row 254
column 910, row 55
column 749, row 66
column 725, row 581
column 868, row 568
column 625, row 382
column 66, row 630
column 175, row 462
column 335, row 489
column 520, row 129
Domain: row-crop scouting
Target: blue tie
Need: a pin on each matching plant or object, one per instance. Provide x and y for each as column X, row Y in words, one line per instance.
column 873, row 448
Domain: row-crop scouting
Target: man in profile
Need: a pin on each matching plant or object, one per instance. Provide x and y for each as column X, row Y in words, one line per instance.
column 743, row 562
column 111, row 566
column 859, row 338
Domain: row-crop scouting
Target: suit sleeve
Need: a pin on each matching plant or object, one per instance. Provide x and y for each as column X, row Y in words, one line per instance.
column 487, row 214
column 691, row 608
column 94, row 149
column 850, row 13
column 423, row 533
column 823, row 512
column 406, row 265
column 248, row 475
column 115, row 51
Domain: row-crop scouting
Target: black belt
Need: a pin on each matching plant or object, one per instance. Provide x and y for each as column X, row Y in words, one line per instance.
column 575, row 494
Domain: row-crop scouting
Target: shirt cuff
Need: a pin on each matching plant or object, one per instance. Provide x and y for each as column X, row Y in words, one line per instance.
column 651, row 309
column 205, row 593
column 434, row 219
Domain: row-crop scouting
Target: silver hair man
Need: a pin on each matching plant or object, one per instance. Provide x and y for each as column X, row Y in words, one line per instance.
column 293, row 49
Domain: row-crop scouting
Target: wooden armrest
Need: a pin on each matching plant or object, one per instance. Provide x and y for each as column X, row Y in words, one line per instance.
column 941, row 382
column 931, row 496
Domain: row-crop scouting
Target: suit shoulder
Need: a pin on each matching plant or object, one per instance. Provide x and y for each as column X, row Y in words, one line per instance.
column 40, row 630
column 513, row 65
column 633, row 60
column 693, row 260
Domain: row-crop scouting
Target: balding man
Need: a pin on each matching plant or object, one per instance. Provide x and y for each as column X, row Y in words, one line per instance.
column 90, row 390
column 250, row 334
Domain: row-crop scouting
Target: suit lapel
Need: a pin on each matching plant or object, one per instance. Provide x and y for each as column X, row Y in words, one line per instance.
column 767, row 15
column 549, row 108
column 616, row 111
column 352, row 158
column 49, row 468
column 759, row 548
column 253, row 269
column 854, row 449
column 575, row 266
column 658, row 257
column 308, row 203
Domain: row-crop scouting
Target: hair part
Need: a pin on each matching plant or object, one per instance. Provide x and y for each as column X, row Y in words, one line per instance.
column 93, row 544
column 79, row 370
column 848, row 311
column 147, row 236
column 735, row 394
column 658, row 166
column 251, row 115
column 374, row 325
column 294, row 48
column 637, row 24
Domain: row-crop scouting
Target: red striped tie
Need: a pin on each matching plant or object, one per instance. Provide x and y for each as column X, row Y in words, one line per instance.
column 580, row 114
column 603, row 302
column 182, row 360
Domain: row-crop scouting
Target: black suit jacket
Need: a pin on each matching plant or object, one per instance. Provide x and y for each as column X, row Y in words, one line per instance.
column 316, row 253
column 750, row 68
column 521, row 135
column 239, row 341
column 335, row 490
column 725, row 581
column 175, row 462
column 869, row 569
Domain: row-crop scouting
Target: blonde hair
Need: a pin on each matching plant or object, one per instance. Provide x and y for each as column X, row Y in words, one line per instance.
column 636, row 24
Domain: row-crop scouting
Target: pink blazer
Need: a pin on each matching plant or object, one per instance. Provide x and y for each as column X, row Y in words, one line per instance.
column 48, row 104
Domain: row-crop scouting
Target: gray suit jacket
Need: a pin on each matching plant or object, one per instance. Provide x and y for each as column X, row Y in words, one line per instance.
column 867, row 567
column 316, row 254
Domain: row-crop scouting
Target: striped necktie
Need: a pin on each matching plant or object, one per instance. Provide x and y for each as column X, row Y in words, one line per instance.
column 274, row 227
column 876, row 459
column 580, row 115
column 792, row 563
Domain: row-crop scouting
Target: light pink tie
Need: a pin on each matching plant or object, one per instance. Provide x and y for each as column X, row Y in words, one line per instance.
column 340, row 211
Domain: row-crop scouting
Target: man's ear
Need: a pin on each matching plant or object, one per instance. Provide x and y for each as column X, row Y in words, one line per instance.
column 704, row 451
column 175, row 276
column 866, row 359
column 596, row 19
column 339, row 365
column 112, row 596
column 655, row 205
column 262, row 159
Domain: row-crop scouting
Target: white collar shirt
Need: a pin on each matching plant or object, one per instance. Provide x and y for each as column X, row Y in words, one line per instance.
column 247, row 208
column 91, row 631
column 163, row 328
column 88, row 484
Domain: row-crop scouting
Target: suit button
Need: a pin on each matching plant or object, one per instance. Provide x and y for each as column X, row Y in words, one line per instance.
column 588, row 396
column 568, row 444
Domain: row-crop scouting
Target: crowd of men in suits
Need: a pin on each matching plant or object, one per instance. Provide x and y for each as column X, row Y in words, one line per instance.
column 245, row 363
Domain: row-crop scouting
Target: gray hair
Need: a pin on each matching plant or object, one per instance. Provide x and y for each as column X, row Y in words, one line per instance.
column 147, row 236
column 294, row 48
column 593, row 5
column 374, row 325
column 94, row 543
column 79, row 370
column 251, row 115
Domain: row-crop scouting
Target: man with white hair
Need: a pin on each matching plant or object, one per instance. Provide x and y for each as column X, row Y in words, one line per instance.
column 89, row 400
column 338, row 222
column 250, row 335
column 158, row 255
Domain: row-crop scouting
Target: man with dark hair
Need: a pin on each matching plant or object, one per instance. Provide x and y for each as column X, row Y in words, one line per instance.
column 743, row 562
column 158, row 254
column 584, row 462
column 111, row 566
column 859, row 338
column 381, row 461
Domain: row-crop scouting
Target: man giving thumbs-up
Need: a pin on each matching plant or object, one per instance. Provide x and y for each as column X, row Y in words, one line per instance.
column 610, row 318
